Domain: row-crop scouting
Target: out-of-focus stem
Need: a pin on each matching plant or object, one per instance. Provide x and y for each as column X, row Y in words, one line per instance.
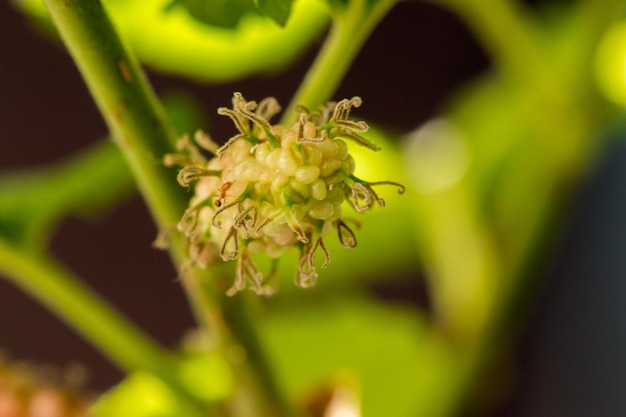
column 351, row 27
column 56, row 288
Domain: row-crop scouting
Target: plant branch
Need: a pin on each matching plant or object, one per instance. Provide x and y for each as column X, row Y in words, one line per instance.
column 140, row 128
column 137, row 122
column 588, row 23
column 130, row 108
column 350, row 30
column 56, row 288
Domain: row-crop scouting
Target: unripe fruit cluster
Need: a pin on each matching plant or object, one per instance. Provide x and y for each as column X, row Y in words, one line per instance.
column 271, row 188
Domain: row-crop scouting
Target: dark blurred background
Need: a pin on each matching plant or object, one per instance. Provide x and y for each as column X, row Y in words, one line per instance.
column 569, row 359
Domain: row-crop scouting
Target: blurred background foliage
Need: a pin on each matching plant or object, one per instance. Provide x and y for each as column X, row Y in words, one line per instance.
column 421, row 318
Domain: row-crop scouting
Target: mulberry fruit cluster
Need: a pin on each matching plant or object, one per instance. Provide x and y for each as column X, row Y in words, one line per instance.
column 271, row 188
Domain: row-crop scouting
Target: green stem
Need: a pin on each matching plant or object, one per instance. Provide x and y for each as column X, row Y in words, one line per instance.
column 46, row 281
column 130, row 108
column 351, row 28
column 588, row 23
column 134, row 115
column 140, row 128
column 508, row 34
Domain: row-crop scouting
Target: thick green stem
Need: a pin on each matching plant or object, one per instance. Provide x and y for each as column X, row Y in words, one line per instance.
column 588, row 23
column 134, row 115
column 351, row 28
column 132, row 112
column 139, row 127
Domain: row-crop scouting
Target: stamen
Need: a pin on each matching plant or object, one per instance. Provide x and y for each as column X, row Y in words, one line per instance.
column 191, row 173
column 245, row 108
column 361, row 193
column 325, row 252
column 205, row 254
column 264, row 223
column 240, row 280
column 230, row 141
column 300, row 109
column 229, row 256
column 401, row 188
column 319, row 243
column 173, row 159
column 344, row 134
column 325, row 112
column 346, row 235
column 190, row 155
column 370, row 191
column 322, row 138
column 189, row 221
column 241, row 223
column 360, row 126
column 162, row 241
column 270, row 283
column 307, row 275
column 205, row 142
column 301, row 123
column 252, row 272
column 295, row 226
column 340, row 110
column 379, row 200
column 247, row 271
column 218, row 224
column 268, row 108
column 184, row 144
column 237, row 119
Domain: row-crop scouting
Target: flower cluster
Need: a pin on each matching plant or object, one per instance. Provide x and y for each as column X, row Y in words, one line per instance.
column 270, row 188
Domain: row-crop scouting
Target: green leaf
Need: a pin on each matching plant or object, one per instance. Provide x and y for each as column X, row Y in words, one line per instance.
column 387, row 354
column 178, row 43
column 141, row 394
column 278, row 10
column 223, row 13
column 208, row 376
column 32, row 200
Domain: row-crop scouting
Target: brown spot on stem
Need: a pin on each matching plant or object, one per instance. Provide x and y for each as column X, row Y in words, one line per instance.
column 125, row 71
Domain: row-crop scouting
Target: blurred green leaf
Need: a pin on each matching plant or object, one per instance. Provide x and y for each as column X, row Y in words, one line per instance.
column 207, row 376
column 32, row 200
column 224, row 13
column 278, row 10
column 176, row 42
column 141, row 394
column 386, row 353
column 228, row 13
column 184, row 112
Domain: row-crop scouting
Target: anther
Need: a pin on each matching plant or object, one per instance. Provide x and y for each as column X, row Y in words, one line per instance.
column 346, row 235
column 216, row 223
column 192, row 173
column 229, row 256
